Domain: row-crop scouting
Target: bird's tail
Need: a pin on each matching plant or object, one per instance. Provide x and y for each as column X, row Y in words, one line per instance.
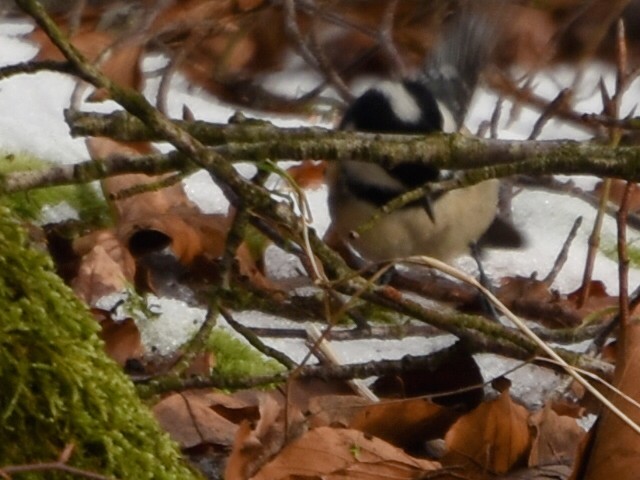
column 466, row 44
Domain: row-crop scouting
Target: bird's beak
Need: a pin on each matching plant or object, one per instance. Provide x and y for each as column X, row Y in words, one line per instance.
column 427, row 204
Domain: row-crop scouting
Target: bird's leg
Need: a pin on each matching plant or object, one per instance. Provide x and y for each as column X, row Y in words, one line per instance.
column 486, row 305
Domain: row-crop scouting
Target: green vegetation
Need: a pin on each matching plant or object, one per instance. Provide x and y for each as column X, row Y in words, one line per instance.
column 610, row 249
column 86, row 200
column 236, row 360
column 59, row 387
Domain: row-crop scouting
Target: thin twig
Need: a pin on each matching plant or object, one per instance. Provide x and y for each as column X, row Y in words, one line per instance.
column 561, row 102
column 432, row 262
column 153, row 186
column 623, row 258
column 36, row 67
column 323, row 347
column 326, row 67
column 60, row 465
column 611, row 107
column 255, row 341
column 563, row 255
column 197, row 342
column 386, row 40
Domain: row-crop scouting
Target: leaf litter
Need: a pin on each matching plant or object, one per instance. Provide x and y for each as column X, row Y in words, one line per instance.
column 322, row 436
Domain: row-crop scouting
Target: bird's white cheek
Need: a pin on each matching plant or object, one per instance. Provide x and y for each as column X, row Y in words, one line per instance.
column 448, row 122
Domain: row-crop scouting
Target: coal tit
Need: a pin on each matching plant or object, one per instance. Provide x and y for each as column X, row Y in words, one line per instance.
column 437, row 100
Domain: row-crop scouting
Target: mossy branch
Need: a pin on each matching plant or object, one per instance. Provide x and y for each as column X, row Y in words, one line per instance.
column 480, row 158
column 255, row 141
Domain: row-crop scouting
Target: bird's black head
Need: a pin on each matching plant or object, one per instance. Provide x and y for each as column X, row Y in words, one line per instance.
column 394, row 107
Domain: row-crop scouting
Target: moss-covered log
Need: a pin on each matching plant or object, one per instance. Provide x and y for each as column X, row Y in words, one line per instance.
column 57, row 387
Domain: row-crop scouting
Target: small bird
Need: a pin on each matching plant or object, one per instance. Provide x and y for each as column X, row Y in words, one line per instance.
column 442, row 226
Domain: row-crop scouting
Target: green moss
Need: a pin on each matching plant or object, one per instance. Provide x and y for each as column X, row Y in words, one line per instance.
column 237, row 360
column 57, row 385
column 89, row 204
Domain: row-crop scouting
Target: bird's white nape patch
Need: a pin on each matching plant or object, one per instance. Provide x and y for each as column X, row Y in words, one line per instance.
column 402, row 103
column 449, row 124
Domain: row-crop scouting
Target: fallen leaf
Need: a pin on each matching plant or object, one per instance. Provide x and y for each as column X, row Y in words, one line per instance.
column 535, row 298
column 308, row 174
column 106, row 266
column 494, row 437
column 556, row 438
column 190, row 421
column 599, row 300
column 121, row 61
column 527, row 34
column 245, row 5
column 335, row 410
column 145, row 203
column 301, row 392
column 405, row 423
column 613, row 450
column 160, row 223
column 122, row 339
column 239, row 406
column 253, row 447
column 154, row 233
column 544, row 472
column 333, row 453
column 201, row 365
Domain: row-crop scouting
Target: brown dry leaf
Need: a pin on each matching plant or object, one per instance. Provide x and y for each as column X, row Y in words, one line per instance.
column 245, row 5
column 202, row 364
column 122, row 339
column 121, row 64
column 236, row 45
column 556, row 438
column 250, row 268
column 190, row 421
column 494, row 437
column 614, row 448
column 106, row 266
column 239, row 406
column 255, row 446
column 188, row 235
column 406, row 423
column 335, row 410
column 308, row 174
column 332, row 453
column 529, row 294
column 513, row 288
column 544, row 472
column 142, row 205
column 123, row 67
column 301, row 392
column 527, row 34
column 598, row 302
column 149, row 222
